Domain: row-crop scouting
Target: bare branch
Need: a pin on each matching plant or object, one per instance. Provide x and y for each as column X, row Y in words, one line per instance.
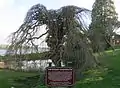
column 37, row 37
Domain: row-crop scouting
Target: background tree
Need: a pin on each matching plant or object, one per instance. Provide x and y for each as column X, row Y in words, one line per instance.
column 104, row 23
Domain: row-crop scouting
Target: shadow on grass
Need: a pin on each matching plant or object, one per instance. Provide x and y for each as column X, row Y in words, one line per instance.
column 109, row 77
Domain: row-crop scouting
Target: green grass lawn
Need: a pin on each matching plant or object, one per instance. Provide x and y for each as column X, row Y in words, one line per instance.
column 107, row 78
column 6, row 77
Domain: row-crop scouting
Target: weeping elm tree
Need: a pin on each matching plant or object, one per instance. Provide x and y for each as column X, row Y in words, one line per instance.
column 66, row 34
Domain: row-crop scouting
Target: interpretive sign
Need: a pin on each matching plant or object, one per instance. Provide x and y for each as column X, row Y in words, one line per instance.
column 59, row 76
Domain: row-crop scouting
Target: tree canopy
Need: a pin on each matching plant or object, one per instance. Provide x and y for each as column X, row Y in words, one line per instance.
column 66, row 34
column 104, row 23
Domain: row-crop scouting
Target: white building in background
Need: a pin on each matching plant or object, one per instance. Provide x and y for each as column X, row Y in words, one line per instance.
column 35, row 65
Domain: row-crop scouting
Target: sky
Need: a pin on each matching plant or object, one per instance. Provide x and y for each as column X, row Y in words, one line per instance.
column 12, row 12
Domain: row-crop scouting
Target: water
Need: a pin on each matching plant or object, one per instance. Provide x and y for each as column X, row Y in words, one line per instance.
column 27, row 65
column 2, row 52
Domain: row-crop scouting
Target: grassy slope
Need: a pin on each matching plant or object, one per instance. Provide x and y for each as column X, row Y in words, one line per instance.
column 104, row 79
column 7, row 76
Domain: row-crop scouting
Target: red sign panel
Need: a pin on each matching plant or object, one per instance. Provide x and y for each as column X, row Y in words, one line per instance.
column 59, row 76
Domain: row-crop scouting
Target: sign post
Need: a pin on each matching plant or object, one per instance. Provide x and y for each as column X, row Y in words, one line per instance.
column 59, row 77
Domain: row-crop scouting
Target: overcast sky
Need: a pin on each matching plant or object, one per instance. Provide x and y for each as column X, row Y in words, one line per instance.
column 12, row 12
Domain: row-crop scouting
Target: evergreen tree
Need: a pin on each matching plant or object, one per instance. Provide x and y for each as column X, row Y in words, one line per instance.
column 104, row 22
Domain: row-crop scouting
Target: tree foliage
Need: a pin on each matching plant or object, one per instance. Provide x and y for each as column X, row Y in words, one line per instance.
column 66, row 34
column 104, row 23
